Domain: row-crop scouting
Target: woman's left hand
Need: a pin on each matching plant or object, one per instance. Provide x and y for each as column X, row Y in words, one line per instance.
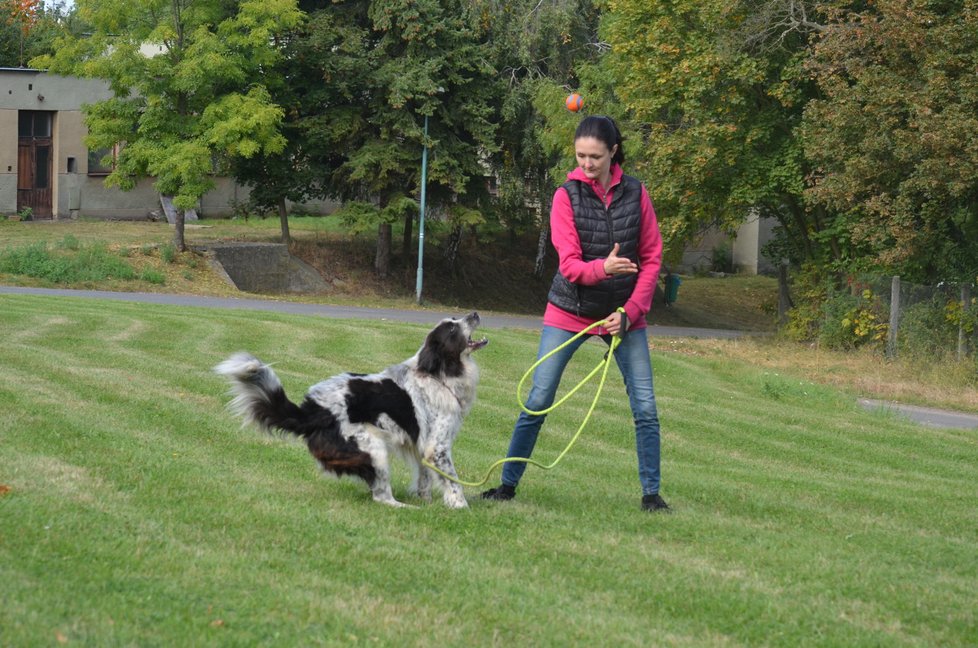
column 616, row 323
column 618, row 265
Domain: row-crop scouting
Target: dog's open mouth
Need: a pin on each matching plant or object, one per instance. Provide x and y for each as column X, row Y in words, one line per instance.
column 475, row 345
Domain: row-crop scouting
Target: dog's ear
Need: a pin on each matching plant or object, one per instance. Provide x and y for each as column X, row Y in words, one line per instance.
column 442, row 351
column 429, row 360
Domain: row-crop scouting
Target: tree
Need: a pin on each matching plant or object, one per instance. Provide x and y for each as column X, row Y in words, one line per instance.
column 716, row 98
column 537, row 48
column 28, row 29
column 198, row 100
column 293, row 173
column 18, row 19
column 895, row 137
column 384, row 66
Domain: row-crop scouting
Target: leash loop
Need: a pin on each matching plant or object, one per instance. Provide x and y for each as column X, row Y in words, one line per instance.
column 602, row 367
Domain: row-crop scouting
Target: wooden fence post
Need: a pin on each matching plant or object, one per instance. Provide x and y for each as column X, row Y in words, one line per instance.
column 962, row 336
column 891, row 338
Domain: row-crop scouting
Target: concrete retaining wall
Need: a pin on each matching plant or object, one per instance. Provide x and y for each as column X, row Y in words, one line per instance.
column 266, row 268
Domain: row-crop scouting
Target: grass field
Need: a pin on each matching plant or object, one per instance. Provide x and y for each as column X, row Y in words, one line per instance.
column 135, row 511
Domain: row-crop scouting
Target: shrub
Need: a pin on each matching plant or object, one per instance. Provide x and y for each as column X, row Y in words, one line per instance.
column 721, row 259
column 926, row 331
column 804, row 320
column 850, row 321
column 839, row 319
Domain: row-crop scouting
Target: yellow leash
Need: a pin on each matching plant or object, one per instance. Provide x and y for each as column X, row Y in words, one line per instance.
column 602, row 367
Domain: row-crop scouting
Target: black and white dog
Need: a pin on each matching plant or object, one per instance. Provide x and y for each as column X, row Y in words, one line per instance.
column 353, row 423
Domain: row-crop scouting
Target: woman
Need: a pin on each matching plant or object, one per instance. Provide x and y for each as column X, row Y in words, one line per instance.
column 607, row 238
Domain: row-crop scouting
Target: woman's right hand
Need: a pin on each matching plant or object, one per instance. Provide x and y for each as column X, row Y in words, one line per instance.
column 617, row 265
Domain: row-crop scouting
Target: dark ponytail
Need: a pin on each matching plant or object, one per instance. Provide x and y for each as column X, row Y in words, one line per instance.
column 605, row 130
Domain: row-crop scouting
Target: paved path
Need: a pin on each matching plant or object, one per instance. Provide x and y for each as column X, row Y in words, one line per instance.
column 923, row 415
column 491, row 320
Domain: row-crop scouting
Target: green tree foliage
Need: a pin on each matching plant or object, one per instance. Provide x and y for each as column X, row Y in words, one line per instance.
column 28, row 29
column 382, row 67
column 716, row 91
column 895, row 138
column 296, row 172
column 537, row 48
column 197, row 98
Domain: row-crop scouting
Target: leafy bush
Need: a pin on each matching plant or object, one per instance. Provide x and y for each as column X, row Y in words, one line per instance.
column 850, row 321
column 838, row 319
column 804, row 320
column 721, row 258
column 926, row 331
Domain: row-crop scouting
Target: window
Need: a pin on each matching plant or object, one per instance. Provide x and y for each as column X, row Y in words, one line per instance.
column 95, row 157
column 32, row 123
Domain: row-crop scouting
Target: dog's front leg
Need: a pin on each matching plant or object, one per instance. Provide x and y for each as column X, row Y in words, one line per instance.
column 441, row 458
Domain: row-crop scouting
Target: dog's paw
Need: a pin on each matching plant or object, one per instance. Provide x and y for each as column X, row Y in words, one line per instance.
column 455, row 501
column 390, row 501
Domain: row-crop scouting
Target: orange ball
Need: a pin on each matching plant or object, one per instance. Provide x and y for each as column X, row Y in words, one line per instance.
column 574, row 102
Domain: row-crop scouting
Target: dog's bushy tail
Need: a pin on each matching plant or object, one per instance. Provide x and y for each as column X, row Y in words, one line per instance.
column 259, row 397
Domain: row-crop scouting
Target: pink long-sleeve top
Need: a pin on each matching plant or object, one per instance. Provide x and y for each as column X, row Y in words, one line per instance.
column 563, row 234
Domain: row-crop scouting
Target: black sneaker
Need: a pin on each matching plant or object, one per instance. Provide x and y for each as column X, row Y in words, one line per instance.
column 501, row 492
column 654, row 503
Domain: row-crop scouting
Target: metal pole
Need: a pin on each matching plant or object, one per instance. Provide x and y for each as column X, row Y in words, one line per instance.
column 424, row 188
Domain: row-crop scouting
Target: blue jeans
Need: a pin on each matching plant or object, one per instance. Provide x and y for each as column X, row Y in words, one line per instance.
column 632, row 356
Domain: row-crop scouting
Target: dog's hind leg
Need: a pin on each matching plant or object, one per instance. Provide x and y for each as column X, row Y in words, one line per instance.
column 381, row 486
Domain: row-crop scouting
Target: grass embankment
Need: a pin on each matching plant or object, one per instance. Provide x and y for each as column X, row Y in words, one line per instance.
column 135, row 511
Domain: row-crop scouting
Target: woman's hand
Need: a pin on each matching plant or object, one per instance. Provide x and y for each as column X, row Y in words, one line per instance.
column 616, row 323
column 616, row 265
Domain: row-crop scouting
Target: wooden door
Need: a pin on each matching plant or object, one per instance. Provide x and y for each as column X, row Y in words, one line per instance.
column 34, row 163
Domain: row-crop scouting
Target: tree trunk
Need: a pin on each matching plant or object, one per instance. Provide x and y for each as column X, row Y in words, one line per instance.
column 454, row 241
column 408, row 234
column 283, row 216
column 785, row 302
column 382, row 262
column 542, row 242
column 178, row 239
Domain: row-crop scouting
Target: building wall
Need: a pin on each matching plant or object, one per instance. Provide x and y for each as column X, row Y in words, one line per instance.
column 746, row 248
column 76, row 193
column 751, row 238
column 8, row 158
column 698, row 255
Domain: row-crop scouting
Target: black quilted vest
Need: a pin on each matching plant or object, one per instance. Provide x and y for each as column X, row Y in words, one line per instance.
column 599, row 229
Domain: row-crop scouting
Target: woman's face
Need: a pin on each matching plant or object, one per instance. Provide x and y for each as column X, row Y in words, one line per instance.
column 594, row 158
